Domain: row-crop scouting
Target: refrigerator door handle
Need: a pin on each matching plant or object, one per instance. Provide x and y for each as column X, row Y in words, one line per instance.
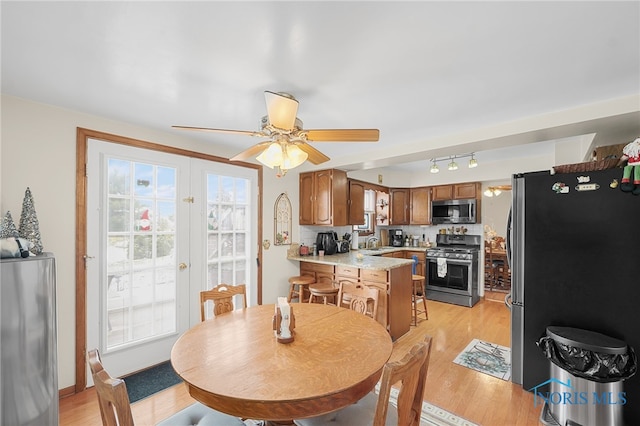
column 508, row 241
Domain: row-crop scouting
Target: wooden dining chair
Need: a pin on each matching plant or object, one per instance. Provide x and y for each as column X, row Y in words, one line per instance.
column 358, row 297
column 115, row 408
column 377, row 410
column 491, row 265
column 222, row 297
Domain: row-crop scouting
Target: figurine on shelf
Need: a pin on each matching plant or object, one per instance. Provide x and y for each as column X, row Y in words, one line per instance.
column 631, row 154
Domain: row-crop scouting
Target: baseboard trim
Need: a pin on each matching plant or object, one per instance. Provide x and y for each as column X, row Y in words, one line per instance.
column 65, row 392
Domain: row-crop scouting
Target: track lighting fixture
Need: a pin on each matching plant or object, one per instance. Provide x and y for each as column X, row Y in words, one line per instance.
column 452, row 165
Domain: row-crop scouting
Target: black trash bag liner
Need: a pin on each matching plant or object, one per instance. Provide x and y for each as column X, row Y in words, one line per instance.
column 590, row 365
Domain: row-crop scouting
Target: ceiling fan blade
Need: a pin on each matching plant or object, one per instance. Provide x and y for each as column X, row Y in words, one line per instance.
column 343, row 135
column 281, row 109
column 209, row 129
column 251, row 152
column 315, row 156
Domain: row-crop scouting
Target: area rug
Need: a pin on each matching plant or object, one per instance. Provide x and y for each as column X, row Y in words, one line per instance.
column 487, row 358
column 431, row 415
column 147, row 382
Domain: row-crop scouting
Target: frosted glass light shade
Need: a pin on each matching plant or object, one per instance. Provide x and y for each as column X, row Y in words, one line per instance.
column 272, row 156
column 292, row 157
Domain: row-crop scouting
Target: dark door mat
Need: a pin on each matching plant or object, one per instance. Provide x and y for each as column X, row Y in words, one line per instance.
column 147, row 382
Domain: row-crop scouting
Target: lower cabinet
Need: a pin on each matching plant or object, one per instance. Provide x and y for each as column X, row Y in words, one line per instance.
column 394, row 299
column 321, row 273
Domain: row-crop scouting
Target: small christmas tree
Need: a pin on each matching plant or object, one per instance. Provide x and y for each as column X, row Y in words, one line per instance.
column 8, row 228
column 29, row 228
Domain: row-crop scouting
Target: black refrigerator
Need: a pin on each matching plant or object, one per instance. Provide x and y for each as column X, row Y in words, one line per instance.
column 574, row 250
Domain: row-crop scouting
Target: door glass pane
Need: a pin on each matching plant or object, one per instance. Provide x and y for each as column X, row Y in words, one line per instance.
column 227, row 230
column 141, row 263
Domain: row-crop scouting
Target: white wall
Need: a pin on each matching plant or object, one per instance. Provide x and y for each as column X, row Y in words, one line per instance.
column 38, row 150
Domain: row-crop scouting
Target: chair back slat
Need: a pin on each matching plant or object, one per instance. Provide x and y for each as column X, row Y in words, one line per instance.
column 411, row 372
column 222, row 297
column 113, row 399
column 359, row 297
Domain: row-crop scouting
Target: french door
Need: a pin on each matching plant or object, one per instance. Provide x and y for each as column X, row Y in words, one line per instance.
column 160, row 228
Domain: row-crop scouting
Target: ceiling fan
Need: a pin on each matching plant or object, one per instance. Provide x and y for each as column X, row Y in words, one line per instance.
column 287, row 145
column 496, row 190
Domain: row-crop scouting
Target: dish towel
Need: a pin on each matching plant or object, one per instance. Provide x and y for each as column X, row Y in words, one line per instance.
column 442, row 267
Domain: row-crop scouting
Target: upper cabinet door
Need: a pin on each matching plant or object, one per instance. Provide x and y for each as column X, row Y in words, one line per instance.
column 356, row 203
column 442, row 192
column 306, row 198
column 420, row 213
column 466, row 190
column 399, row 201
column 324, row 202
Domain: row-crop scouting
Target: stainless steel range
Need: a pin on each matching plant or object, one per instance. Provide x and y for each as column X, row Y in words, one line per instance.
column 452, row 269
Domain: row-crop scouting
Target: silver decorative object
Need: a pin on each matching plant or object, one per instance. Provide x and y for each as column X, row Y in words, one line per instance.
column 29, row 228
column 8, row 228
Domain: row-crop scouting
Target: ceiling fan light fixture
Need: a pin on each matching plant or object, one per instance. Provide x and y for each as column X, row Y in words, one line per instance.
column 272, row 156
column 292, row 156
column 494, row 191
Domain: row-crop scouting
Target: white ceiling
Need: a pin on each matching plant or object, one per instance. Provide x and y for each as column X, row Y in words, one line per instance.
column 437, row 78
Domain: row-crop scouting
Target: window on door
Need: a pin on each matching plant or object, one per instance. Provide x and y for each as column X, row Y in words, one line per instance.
column 140, row 251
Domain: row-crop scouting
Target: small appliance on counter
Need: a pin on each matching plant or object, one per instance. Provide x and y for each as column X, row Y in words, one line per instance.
column 396, row 237
column 343, row 246
column 327, row 241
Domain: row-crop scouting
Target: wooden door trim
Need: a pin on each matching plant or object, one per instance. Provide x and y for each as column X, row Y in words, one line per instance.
column 82, row 137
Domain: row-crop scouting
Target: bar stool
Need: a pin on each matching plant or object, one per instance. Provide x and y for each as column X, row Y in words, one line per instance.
column 324, row 291
column 418, row 292
column 298, row 286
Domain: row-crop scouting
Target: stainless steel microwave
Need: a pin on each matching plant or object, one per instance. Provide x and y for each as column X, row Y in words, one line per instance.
column 453, row 211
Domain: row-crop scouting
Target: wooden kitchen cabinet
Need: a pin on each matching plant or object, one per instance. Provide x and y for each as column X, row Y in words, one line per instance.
column 323, row 198
column 458, row 191
column 441, row 193
column 420, row 209
column 394, row 285
column 356, row 202
column 462, row 191
column 321, row 273
column 399, row 206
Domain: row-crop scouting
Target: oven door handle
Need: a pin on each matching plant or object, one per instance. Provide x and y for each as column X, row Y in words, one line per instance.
column 463, row 262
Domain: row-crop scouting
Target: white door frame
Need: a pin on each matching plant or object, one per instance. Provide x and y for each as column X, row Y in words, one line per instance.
column 82, row 255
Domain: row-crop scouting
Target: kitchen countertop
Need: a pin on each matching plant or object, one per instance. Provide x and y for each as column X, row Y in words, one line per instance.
column 369, row 261
column 388, row 249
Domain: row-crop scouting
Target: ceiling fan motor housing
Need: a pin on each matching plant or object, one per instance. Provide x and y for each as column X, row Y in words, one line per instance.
column 264, row 122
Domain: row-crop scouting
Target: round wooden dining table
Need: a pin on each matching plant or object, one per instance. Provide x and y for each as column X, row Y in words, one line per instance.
column 234, row 364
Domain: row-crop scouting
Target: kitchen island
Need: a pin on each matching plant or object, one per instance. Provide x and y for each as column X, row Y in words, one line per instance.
column 391, row 276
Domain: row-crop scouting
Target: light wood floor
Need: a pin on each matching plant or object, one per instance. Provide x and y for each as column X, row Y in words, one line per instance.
column 480, row 398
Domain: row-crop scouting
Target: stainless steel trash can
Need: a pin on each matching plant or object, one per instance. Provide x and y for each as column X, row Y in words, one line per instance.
column 586, row 386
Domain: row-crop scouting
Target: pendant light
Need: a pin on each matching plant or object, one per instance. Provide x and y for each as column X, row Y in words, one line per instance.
column 452, row 165
column 473, row 162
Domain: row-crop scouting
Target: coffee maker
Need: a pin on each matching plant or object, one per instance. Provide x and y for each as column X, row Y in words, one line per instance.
column 396, row 238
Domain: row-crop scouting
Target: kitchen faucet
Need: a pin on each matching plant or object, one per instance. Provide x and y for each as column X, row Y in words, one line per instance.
column 370, row 239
